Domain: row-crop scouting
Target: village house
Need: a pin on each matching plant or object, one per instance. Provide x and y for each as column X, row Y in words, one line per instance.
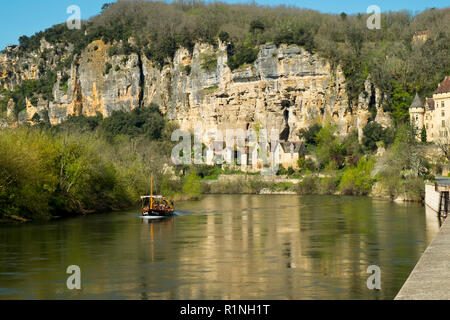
column 284, row 153
column 433, row 113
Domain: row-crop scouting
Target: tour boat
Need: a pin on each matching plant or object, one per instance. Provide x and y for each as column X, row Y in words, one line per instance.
column 156, row 206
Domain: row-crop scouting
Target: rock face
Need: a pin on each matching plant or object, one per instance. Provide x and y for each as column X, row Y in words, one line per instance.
column 286, row 88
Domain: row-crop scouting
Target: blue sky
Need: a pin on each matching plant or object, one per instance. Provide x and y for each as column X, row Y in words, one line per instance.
column 26, row 17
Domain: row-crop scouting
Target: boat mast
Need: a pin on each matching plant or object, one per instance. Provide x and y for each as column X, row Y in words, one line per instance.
column 151, row 191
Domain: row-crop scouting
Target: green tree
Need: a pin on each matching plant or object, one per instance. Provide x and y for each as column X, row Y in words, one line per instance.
column 423, row 135
column 399, row 104
column 358, row 180
column 191, row 186
column 329, row 148
column 310, row 135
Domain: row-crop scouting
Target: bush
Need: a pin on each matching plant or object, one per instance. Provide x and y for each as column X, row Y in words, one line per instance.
column 329, row 185
column 309, row 185
column 358, row 180
column 245, row 53
column 310, row 135
column 191, row 186
column 224, row 36
column 373, row 133
column 208, row 61
column 108, row 67
column 147, row 122
column 306, row 164
column 329, row 149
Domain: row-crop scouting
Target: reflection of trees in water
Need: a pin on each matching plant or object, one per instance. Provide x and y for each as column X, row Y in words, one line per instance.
column 243, row 246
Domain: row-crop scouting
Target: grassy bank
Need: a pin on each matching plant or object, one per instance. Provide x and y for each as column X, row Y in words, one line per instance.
column 86, row 165
column 331, row 183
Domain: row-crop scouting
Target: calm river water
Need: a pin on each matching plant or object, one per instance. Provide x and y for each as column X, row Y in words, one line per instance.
column 222, row 247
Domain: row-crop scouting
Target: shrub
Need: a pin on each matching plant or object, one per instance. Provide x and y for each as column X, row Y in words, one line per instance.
column 329, row 149
column 309, row 185
column 108, row 67
column 306, row 164
column 224, row 36
column 310, row 135
column 373, row 133
column 423, row 135
column 329, row 185
column 256, row 25
column 208, row 61
column 357, row 180
column 245, row 53
column 148, row 122
column 191, row 186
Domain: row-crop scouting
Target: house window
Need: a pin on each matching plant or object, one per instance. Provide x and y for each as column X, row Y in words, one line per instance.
column 427, row 126
column 443, row 113
column 442, row 104
column 443, row 123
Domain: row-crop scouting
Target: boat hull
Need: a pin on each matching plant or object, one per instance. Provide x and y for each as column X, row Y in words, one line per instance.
column 158, row 213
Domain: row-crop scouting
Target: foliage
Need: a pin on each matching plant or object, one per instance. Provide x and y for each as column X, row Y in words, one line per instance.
column 191, row 186
column 423, row 135
column 399, row 104
column 147, row 122
column 329, row 150
column 329, row 184
column 224, row 36
column 357, row 180
column 108, row 67
column 242, row 54
column 405, row 160
column 306, row 164
column 84, row 165
column 373, row 133
column 309, row 135
column 208, row 61
column 30, row 89
column 308, row 185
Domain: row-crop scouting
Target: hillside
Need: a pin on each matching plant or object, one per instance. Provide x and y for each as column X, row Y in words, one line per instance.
column 228, row 65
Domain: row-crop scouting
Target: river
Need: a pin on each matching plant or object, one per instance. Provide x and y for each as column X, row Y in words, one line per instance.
column 221, row 247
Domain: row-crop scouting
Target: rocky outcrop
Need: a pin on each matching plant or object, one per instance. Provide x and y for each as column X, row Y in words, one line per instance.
column 286, row 88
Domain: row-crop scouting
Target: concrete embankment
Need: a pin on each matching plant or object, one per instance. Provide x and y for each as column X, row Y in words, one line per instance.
column 430, row 279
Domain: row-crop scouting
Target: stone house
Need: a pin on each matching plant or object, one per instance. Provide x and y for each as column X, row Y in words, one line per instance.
column 433, row 113
column 284, row 154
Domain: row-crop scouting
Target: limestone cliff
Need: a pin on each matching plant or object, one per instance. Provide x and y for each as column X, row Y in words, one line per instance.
column 286, row 88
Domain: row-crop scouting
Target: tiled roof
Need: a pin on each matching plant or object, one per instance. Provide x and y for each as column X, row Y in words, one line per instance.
column 417, row 103
column 444, row 87
column 430, row 103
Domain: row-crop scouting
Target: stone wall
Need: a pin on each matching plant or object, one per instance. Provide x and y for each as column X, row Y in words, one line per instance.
column 432, row 197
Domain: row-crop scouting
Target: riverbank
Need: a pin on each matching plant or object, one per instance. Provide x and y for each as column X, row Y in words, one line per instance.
column 70, row 172
column 326, row 183
column 251, row 184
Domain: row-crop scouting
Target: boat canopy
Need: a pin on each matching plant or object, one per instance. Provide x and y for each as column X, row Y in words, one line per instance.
column 154, row 197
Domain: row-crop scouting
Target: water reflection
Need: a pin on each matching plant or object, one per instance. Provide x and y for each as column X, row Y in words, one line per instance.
column 223, row 247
